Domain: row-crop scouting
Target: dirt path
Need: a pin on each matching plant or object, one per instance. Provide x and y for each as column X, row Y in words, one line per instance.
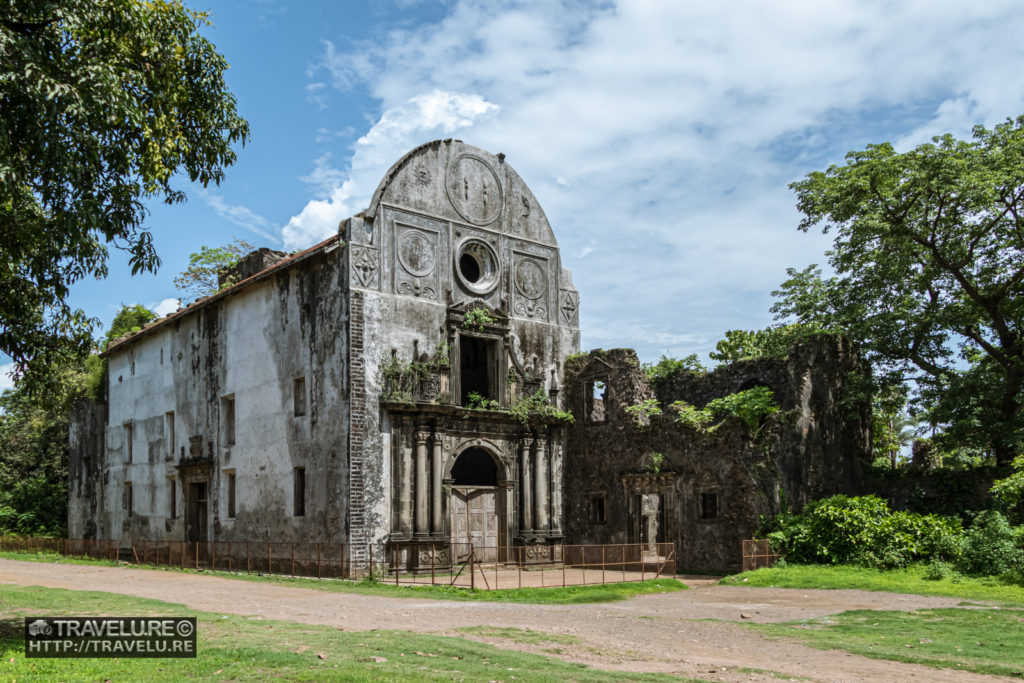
column 692, row 633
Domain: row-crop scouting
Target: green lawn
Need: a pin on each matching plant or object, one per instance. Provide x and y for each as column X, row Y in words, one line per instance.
column 910, row 580
column 240, row 648
column 569, row 595
column 987, row 641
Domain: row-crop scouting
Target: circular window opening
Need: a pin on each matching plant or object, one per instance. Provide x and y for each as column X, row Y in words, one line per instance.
column 469, row 267
column 476, row 264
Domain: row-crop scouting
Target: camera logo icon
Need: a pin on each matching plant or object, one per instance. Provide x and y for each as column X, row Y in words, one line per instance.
column 40, row 627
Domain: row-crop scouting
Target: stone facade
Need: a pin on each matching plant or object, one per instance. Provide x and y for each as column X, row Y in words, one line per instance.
column 397, row 386
column 640, row 480
column 282, row 408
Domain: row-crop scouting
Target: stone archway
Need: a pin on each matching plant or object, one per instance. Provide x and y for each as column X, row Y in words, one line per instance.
column 476, row 505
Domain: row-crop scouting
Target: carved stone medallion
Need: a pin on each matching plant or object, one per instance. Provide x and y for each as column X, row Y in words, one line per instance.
column 530, row 280
column 416, row 252
column 474, row 189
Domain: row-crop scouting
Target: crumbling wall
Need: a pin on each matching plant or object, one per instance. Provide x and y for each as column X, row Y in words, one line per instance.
column 713, row 483
column 85, row 465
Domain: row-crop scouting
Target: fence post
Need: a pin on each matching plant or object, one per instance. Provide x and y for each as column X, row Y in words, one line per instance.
column 563, row 562
column 396, row 564
column 269, row 562
column 248, row 558
column 519, row 566
column 318, row 561
column 433, row 556
column 293, row 559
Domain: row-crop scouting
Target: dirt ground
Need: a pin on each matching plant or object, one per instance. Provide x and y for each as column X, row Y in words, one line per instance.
column 691, row 633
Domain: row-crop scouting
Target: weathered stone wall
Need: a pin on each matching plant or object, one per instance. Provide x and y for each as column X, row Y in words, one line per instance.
column 248, row 346
column 85, row 467
column 812, row 447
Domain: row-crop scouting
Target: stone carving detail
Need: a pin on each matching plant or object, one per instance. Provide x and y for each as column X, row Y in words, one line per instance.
column 417, row 255
column 416, row 288
column 530, row 280
column 474, row 189
column 365, row 271
column 570, row 306
column 440, row 557
column 530, row 284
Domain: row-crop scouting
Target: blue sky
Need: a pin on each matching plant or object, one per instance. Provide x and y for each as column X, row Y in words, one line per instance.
column 659, row 136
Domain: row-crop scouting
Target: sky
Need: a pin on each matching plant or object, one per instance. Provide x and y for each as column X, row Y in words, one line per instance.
column 659, row 136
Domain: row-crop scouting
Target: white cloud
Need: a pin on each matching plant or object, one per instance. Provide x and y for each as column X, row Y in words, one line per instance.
column 661, row 136
column 165, row 306
column 345, row 192
column 241, row 216
column 6, row 381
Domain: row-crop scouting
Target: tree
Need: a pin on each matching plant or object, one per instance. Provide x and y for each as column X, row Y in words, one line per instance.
column 771, row 342
column 102, row 102
column 204, row 275
column 929, row 259
column 129, row 319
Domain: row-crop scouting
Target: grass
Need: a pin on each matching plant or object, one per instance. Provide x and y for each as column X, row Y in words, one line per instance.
column 240, row 648
column 519, row 635
column 985, row 641
column 570, row 595
column 909, row 580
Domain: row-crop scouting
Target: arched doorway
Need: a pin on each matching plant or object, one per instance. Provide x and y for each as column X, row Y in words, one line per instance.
column 475, row 506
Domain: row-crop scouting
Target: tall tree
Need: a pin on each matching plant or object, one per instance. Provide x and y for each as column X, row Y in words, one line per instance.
column 929, row 262
column 102, row 102
column 206, row 268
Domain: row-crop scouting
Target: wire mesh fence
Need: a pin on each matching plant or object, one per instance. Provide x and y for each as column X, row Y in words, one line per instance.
column 758, row 555
column 97, row 549
column 403, row 563
column 535, row 566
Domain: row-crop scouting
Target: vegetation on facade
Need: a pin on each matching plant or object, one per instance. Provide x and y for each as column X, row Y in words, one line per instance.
column 478, row 319
column 750, row 405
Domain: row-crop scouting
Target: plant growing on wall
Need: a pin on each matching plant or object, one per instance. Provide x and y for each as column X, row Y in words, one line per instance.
column 643, row 412
column 668, row 366
column 537, row 404
column 751, row 406
column 477, row 319
column 478, row 402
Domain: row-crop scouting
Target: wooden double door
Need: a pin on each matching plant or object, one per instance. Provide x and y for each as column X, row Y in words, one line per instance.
column 475, row 520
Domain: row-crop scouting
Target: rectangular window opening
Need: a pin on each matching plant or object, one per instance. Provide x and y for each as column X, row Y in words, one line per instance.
column 169, row 431
column 228, row 404
column 299, row 396
column 709, row 506
column 174, row 497
column 128, row 502
column 596, row 398
column 231, row 494
column 300, row 491
column 477, row 368
column 128, row 433
column 596, row 507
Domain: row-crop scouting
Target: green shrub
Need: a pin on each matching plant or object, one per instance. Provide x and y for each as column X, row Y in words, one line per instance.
column 937, row 570
column 863, row 531
column 991, row 546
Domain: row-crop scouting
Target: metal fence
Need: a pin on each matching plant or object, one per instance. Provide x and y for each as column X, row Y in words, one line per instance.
column 320, row 560
column 405, row 563
column 97, row 549
column 538, row 566
column 758, row 555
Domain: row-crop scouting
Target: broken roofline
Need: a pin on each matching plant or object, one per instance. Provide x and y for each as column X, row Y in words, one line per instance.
column 199, row 304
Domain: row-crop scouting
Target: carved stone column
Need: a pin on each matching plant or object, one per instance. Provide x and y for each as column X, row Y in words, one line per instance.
column 405, row 482
column 422, row 485
column 540, row 517
column 556, row 482
column 436, row 525
column 526, row 481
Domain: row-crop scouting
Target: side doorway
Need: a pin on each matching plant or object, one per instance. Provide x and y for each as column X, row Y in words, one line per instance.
column 196, row 511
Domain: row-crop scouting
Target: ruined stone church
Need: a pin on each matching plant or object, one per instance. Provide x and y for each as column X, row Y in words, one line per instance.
column 406, row 383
